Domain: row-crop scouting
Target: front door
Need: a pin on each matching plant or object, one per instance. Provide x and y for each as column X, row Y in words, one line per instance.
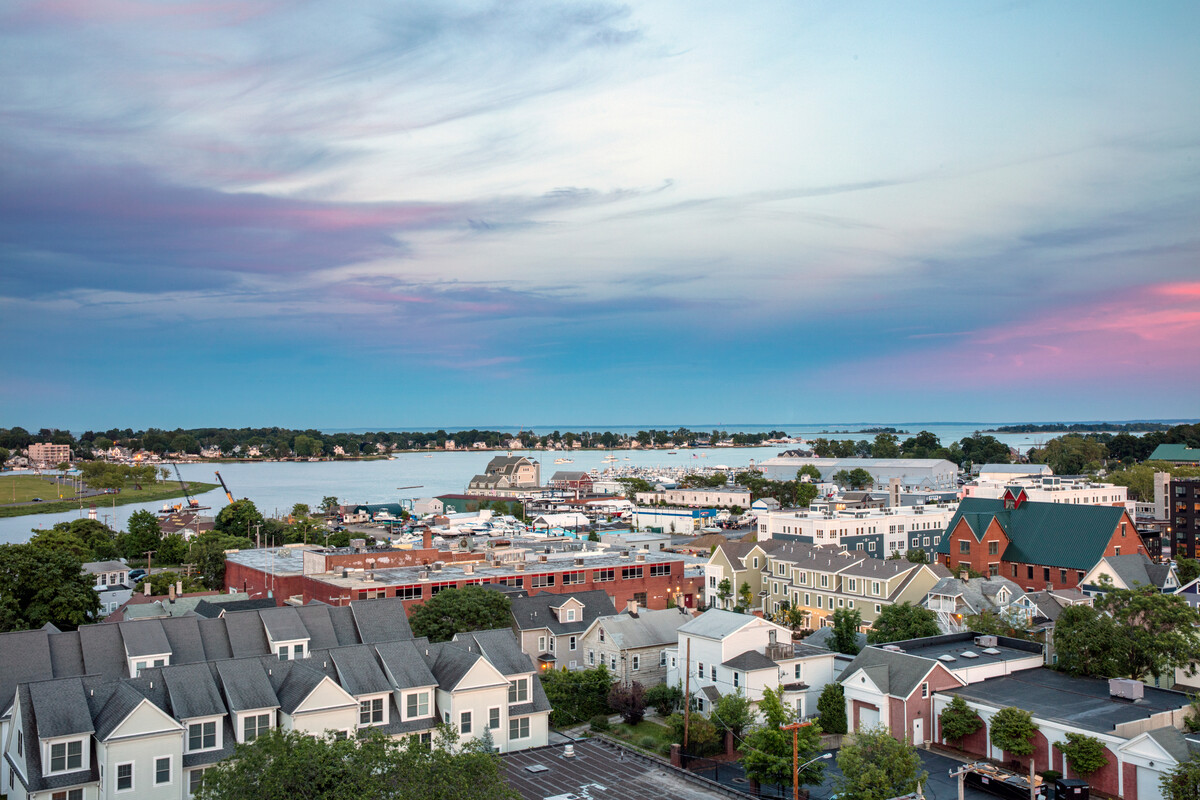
column 919, row 732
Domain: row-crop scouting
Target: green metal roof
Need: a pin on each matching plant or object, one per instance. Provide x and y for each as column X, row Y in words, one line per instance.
column 1052, row 534
column 1175, row 452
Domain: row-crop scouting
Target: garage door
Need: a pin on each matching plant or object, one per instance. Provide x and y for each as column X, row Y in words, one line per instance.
column 1147, row 783
column 869, row 718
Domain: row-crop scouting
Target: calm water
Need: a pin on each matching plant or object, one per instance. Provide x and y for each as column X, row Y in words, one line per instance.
column 276, row 487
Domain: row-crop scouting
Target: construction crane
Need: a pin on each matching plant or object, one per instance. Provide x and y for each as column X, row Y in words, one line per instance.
column 192, row 502
column 228, row 494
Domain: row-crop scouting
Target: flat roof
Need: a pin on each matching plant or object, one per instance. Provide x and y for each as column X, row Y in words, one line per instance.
column 601, row 769
column 955, row 644
column 1081, row 702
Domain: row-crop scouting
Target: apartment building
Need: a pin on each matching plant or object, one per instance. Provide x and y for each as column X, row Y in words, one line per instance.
column 817, row 579
column 141, row 709
column 879, row 532
column 726, row 497
column 551, row 626
column 48, row 455
column 1183, row 509
column 1055, row 489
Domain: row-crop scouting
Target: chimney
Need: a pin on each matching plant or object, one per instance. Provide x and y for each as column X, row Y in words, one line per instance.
column 146, row 588
column 171, row 592
column 894, row 492
column 963, row 575
column 178, row 587
column 469, row 569
column 427, row 538
column 632, row 608
column 640, row 557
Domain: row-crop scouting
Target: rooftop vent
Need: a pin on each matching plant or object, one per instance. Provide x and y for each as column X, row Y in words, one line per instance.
column 579, row 562
column 520, row 566
column 569, row 751
column 969, row 654
column 537, row 768
column 469, row 569
column 947, row 658
column 542, row 559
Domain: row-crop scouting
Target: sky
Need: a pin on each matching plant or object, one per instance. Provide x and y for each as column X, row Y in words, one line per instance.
column 389, row 215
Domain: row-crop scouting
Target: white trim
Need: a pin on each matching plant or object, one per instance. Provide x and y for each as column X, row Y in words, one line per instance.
column 116, row 776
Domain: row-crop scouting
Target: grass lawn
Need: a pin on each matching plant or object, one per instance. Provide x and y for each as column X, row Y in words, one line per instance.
column 646, row 734
column 26, row 487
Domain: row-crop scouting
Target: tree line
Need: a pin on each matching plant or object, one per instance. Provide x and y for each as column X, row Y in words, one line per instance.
column 975, row 449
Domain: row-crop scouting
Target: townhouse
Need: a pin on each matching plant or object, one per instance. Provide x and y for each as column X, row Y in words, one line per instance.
column 634, row 644
column 954, row 599
column 723, row 652
column 1036, row 545
column 550, row 626
column 880, row 532
column 141, row 709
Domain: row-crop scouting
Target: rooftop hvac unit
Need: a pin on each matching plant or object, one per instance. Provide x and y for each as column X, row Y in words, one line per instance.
column 893, row 648
column 986, row 641
column 1126, row 688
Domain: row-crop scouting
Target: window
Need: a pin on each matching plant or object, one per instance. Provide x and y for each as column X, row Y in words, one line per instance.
column 699, row 669
column 464, row 722
column 993, row 548
column 736, row 680
column 541, row 644
column 600, row 635
column 824, row 581
column 202, row 736
column 418, row 705
column 572, row 642
column 162, row 770
column 20, row 742
column 518, row 728
column 797, row 674
column 612, row 662
column 637, row 663
column 662, row 658
column 875, row 588
column 712, row 581
column 1046, row 573
column 518, row 691
column 494, row 718
column 629, row 573
column 640, row 599
column 1062, row 576
column 712, row 672
column 570, row 578
column 283, row 652
column 878, row 608
column 370, row 712
column 254, row 726
column 70, row 794
column 964, row 546
column 1029, row 571
column 924, row 690
column 851, row 585
column 124, row 777
column 993, row 570
column 591, row 658
column 66, row 756
column 756, row 562
column 603, row 575
column 1117, row 551
column 552, row 639
column 408, row 592
column 541, row 581
column 570, row 615
column 660, row 570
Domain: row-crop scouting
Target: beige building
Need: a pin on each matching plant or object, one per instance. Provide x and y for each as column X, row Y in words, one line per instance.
column 48, row 455
column 698, row 498
column 506, row 475
column 634, row 644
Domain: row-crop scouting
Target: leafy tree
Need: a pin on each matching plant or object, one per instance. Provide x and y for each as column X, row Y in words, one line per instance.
column 842, row 477
column 40, row 585
column 161, row 583
column 452, row 611
column 62, row 540
column 702, row 734
column 898, row 622
column 860, row 478
column 981, row 449
column 143, row 534
column 959, row 720
column 1012, row 623
column 577, row 695
column 923, row 445
column 629, row 701
column 876, row 766
column 724, row 590
column 1084, row 641
column 664, row 698
column 1013, row 730
column 1188, row 569
column 329, row 504
column 846, row 622
column 745, row 595
column 768, row 750
column 1070, row 455
column 207, row 552
column 917, row 556
column 1084, row 753
column 794, row 617
column 885, row 446
column 284, row 765
column 831, row 706
column 239, row 518
column 1183, row 781
column 98, row 540
column 732, row 712
column 172, row 549
column 805, row 494
column 810, row 471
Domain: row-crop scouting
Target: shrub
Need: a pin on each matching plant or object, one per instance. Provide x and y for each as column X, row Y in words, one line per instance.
column 647, row 742
column 600, row 723
column 664, row 698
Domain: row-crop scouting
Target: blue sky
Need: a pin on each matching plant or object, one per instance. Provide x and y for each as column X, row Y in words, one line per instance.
column 398, row 215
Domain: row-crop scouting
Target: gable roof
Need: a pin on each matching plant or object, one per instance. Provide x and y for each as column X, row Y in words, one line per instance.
column 896, row 674
column 501, row 649
column 60, row 707
column 716, row 623
column 358, row 672
column 1136, row 569
column 531, row 613
column 1053, row 534
column 192, row 691
column 647, row 629
column 1175, row 452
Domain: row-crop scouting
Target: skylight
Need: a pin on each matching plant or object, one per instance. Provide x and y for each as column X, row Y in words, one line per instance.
column 991, row 651
column 969, row 654
column 947, row 658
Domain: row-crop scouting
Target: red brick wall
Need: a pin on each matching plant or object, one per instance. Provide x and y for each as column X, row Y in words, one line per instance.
column 1130, row 779
column 1041, row 755
column 976, row 743
column 1105, row 779
column 896, row 718
column 978, row 559
column 856, row 708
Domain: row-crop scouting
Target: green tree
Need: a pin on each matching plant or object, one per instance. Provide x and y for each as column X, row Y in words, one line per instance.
column 724, row 591
column 702, row 733
column 768, row 750
column 628, row 700
column 959, row 720
column 172, row 549
column 859, row 478
column 1013, row 730
column 1157, row 632
column 329, row 504
column 846, row 622
column 805, row 494
column 1183, row 781
column 732, row 712
column 1012, row 623
column 1084, row 753
column 917, row 556
column 40, row 585
column 143, row 533
column 745, row 595
column 239, row 518
column 885, row 446
column 842, row 477
column 62, row 540
column 207, row 552
column 161, row 583
column 1070, row 455
column 831, row 706
column 898, row 622
column 875, row 766
column 665, row 699
column 809, row 470
column 284, row 765
column 1084, row 640
column 452, row 611
column 577, row 695
column 1188, row 569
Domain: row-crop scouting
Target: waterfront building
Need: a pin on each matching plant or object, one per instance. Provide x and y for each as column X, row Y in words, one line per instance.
column 723, row 497
column 44, row 456
column 913, row 473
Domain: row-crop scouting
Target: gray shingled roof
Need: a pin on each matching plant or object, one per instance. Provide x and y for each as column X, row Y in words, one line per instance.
column 647, row 629
column 145, row 638
column 24, row 656
column 119, row 706
column 245, row 684
column 749, row 661
column 317, row 621
column 103, row 651
column 1171, row 740
column 1137, row 569
column 247, row 636
column 60, row 707
column 536, row 612
column 358, row 671
column 500, row 647
column 405, row 663
column 342, row 620
column 215, row 638
column 716, row 623
column 283, row 624
column 449, row 663
column 821, row 636
column 895, row 673
column 382, row 620
column 192, row 691
column 183, row 636
column 296, row 681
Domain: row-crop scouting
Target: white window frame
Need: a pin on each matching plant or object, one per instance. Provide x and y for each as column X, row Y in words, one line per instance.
column 570, row 615
column 572, row 643
column 541, row 644
column 466, row 722
column 256, row 715
column 494, row 713
column 520, row 723
column 198, row 771
column 637, row 663
column 66, row 745
column 418, row 697
column 382, row 711
column 117, row 777
column 518, row 691
column 170, row 772
column 187, row 743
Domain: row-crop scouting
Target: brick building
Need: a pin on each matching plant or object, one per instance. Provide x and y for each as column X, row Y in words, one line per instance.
column 1036, row 545
column 340, row 576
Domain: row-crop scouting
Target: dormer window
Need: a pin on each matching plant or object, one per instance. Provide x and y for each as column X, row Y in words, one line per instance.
column 570, row 615
column 601, row 635
column 66, row 756
column 255, row 725
column 372, row 711
column 518, row 691
column 291, row 651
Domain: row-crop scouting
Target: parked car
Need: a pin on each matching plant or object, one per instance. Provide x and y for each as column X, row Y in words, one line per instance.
column 37, row 500
column 136, row 575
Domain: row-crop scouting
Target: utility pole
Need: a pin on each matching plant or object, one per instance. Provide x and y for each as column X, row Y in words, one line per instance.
column 149, row 555
column 795, row 729
column 687, row 694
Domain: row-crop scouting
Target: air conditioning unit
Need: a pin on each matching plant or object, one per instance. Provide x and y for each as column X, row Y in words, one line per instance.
column 1126, row 688
column 986, row 641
